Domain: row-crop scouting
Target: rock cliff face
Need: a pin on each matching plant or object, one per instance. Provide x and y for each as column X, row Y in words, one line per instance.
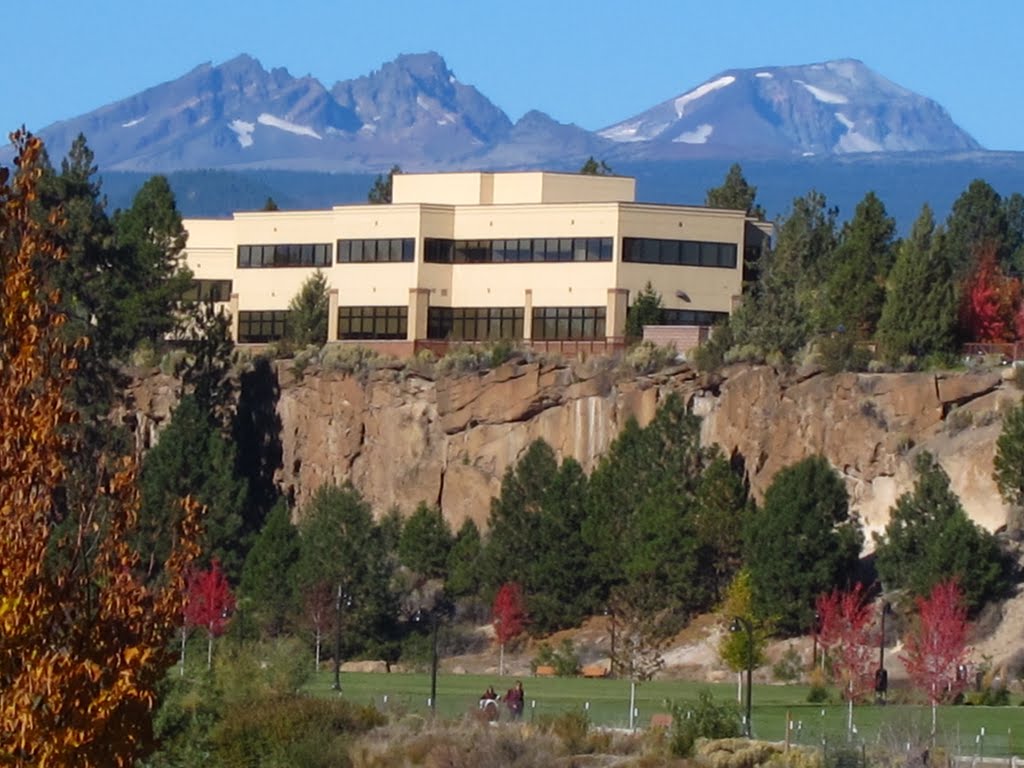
column 401, row 438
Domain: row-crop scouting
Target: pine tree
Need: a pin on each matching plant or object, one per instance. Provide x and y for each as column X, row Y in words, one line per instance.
column 865, row 253
column 268, row 576
column 920, row 311
column 977, row 217
column 929, row 538
column 340, row 547
column 646, row 310
column 719, row 515
column 192, row 458
column 1009, row 460
column 380, row 192
column 307, row 312
column 735, row 194
column 592, row 167
column 800, row 543
column 464, row 559
column 425, row 542
column 150, row 280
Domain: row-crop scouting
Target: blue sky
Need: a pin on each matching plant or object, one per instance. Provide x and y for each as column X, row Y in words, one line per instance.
column 588, row 62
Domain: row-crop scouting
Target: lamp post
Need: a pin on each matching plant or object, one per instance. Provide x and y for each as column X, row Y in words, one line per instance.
column 435, row 614
column 881, row 676
column 741, row 623
column 814, row 640
column 343, row 599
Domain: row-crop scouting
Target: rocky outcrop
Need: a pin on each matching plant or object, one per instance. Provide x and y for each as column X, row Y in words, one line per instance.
column 402, row 438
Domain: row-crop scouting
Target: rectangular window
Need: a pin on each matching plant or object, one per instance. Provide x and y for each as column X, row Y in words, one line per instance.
column 372, row 322
column 208, row 290
column 688, row 253
column 285, row 255
column 566, row 323
column 374, row 251
column 262, row 326
column 535, row 250
column 474, row 323
column 690, row 317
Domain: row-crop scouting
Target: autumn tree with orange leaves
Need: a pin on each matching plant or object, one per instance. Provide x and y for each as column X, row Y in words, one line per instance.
column 990, row 300
column 83, row 641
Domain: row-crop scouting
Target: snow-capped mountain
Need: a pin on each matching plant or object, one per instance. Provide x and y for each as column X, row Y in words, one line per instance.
column 413, row 111
column 835, row 107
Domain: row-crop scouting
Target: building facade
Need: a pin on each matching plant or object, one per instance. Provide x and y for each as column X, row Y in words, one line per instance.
column 532, row 256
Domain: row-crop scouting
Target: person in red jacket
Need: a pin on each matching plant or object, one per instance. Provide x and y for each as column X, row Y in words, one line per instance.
column 514, row 700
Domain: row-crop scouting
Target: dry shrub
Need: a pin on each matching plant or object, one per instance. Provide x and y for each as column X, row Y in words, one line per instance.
column 736, row 753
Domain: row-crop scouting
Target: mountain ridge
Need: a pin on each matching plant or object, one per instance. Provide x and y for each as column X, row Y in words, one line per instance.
column 415, row 112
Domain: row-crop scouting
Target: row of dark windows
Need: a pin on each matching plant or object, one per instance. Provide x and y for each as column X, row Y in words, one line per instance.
column 644, row 250
column 208, row 290
column 372, row 322
column 555, row 323
column 262, row 326
column 474, row 323
column 687, row 253
column 491, row 323
column 290, row 255
column 361, row 251
column 461, row 323
column 441, row 251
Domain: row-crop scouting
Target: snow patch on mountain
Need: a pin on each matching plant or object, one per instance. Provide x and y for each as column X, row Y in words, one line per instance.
column 286, row 125
column 702, row 90
column 699, row 136
column 857, row 142
column 764, row 75
column 624, row 132
column 244, row 131
column 822, row 95
column 130, row 123
column 847, row 122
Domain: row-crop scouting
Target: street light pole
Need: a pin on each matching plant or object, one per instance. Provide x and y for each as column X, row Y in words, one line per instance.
column 345, row 599
column 881, row 676
column 739, row 623
column 433, row 663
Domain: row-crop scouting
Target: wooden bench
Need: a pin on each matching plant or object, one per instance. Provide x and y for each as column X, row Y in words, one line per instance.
column 661, row 720
column 545, row 670
column 594, row 670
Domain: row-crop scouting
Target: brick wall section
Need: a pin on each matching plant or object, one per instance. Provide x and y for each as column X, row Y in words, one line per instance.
column 683, row 337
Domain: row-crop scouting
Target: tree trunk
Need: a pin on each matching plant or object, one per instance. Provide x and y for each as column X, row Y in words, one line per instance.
column 501, row 660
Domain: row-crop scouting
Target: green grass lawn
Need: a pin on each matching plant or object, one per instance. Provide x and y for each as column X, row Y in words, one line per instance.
column 607, row 704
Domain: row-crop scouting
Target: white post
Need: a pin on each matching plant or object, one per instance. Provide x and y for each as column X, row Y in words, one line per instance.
column 318, row 648
column 501, row 660
column 849, row 716
column 184, row 636
column 739, row 687
column 632, row 703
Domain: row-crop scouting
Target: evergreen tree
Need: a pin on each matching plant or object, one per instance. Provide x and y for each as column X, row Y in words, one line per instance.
column 308, row 310
column 640, row 508
column 464, row 562
column 865, row 253
column 787, row 303
column 270, row 205
column 800, row 543
column 1013, row 207
column 929, row 539
column 592, row 167
column 977, row 217
column 719, row 515
column 646, row 310
column 425, row 542
column 150, row 281
column 341, row 547
column 534, row 538
column 268, row 578
column 192, row 458
column 920, row 311
column 206, row 368
column 735, row 194
column 380, row 192
column 1009, row 460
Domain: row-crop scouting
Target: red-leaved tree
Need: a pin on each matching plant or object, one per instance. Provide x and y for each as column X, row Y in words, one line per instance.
column 990, row 299
column 208, row 604
column 936, row 648
column 509, row 617
column 845, row 634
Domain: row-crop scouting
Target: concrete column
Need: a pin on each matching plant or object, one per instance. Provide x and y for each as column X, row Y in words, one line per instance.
column 615, row 315
column 528, row 314
column 332, row 314
column 233, row 311
column 419, row 302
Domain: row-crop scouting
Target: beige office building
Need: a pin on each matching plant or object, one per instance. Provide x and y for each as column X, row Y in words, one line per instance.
column 533, row 256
